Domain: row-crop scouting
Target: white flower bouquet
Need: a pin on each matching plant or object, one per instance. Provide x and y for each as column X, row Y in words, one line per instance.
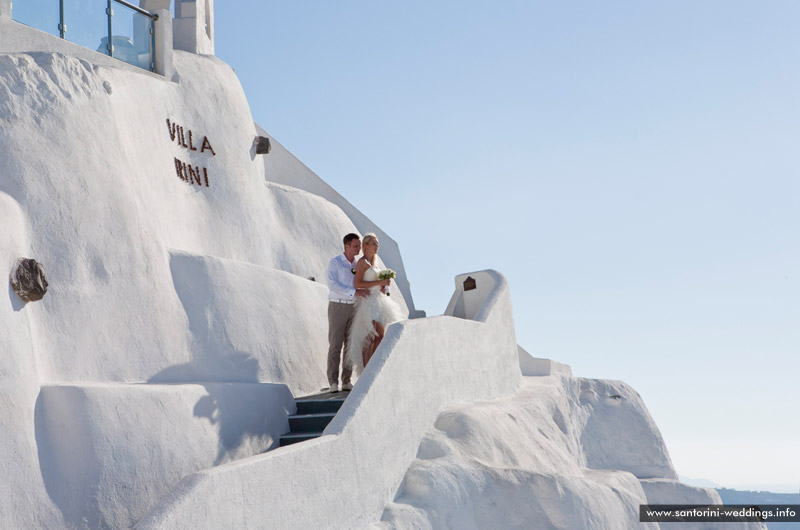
column 387, row 274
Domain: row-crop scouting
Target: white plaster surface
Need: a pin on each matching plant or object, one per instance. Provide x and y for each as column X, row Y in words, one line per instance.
column 93, row 438
column 23, row 502
column 249, row 323
column 524, row 461
column 534, row 366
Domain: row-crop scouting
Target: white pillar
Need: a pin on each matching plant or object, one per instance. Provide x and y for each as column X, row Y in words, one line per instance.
column 5, row 9
column 194, row 26
column 163, row 51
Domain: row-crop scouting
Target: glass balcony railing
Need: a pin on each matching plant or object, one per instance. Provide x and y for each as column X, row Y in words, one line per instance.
column 113, row 27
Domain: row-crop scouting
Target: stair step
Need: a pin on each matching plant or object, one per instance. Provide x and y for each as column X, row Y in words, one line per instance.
column 301, row 423
column 318, row 406
column 292, row 438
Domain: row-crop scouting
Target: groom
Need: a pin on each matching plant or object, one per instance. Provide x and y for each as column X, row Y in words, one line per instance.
column 341, row 300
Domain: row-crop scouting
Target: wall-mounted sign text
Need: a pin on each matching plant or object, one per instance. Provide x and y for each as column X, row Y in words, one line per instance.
column 185, row 138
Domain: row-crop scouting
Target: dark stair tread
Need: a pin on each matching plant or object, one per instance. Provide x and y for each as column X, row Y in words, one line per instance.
column 313, row 415
column 325, row 396
column 296, row 437
column 292, row 435
column 318, row 406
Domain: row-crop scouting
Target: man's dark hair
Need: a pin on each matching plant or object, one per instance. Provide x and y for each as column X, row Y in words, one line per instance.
column 349, row 237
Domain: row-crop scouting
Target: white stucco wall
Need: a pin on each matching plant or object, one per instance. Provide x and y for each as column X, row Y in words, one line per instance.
column 110, row 452
column 23, row 500
column 249, row 323
column 535, row 366
column 346, row 477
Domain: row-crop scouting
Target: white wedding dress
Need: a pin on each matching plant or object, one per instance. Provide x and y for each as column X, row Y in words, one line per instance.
column 378, row 307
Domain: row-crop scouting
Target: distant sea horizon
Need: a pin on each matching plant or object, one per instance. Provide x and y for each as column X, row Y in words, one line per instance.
column 791, row 489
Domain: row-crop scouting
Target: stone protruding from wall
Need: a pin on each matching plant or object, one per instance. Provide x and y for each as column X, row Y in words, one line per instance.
column 193, row 27
column 28, row 280
column 5, row 9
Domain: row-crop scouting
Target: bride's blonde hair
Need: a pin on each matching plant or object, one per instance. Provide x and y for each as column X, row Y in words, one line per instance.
column 369, row 238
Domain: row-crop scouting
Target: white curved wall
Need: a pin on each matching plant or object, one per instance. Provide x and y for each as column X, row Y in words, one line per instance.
column 23, row 499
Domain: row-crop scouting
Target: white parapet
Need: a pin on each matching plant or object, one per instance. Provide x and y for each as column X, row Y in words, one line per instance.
column 472, row 291
column 533, row 366
column 5, row 9
column 193, row 27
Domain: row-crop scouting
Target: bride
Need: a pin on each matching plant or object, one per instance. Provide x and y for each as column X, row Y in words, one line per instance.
column 373, row 313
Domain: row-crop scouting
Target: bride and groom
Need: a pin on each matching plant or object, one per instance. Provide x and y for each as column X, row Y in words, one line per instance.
column 359, row 308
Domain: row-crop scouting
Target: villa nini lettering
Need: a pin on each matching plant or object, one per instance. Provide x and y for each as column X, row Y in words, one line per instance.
column 190, row 173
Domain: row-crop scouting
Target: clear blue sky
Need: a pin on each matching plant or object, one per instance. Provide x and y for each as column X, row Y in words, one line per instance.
column 631, row 167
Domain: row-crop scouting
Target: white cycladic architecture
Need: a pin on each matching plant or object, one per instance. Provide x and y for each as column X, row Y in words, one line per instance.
column 194, row 26
column 185, row 311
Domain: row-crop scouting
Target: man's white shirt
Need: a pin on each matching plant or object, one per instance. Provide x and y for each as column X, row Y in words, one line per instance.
column 340, row 279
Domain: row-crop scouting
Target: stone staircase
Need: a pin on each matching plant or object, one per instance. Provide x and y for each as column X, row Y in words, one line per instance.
column 314, row 413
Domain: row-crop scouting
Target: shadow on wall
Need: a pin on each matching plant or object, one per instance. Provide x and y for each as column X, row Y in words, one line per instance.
column 107, row 453
column 240, row 416
column 55, row 452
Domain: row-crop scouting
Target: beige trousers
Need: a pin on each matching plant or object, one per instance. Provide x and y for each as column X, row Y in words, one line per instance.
column 340, row 317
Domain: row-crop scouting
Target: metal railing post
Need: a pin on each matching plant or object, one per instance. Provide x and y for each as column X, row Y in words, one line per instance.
column 110, row 12
column 153, row 45
column 62, row 27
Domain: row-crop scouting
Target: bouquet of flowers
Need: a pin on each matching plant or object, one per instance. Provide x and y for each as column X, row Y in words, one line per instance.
column 387, row 274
